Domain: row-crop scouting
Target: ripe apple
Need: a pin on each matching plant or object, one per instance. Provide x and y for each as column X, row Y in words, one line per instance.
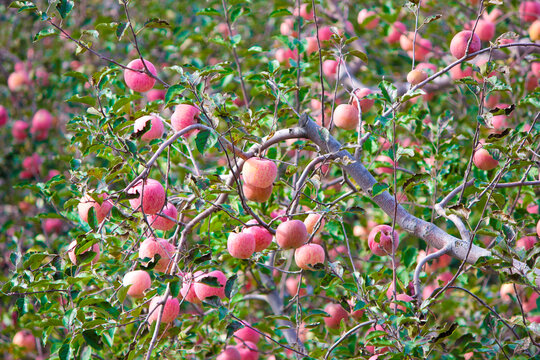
column 380, row 240
column 291, row 284
column 259, row 172
column 365, row 104
column 3, row 116
column 505, row 292
column 538, row 228
column 101, row 211
column 73, row 257
column 458, row 73
column 458, row 45
column 187, row 292
column 185, row 115
column 406, row 40
column 312, row 44
column 203, row 290
column 307, row 15
column 41, row 121
column 416, row 76
column 526, row 242
column 529, row 11
column 337, row 313
column 257, row 194
column 151, row 246
column 153, row 196
column 395, row 31
column 139, row 280
column 248, row 351
column 312, row 220
column 160, row 222
column 18, row 81
column 401, row 297
column 52, row 225
column 156, row 94
column 291, row 234
column 363, row 17
column 241, row 245
column 138, row 81
column 346, row 116
column 156, row 127
column 483, row 160
column 306, row 256
column 325, row 33
column 329, row 68
column 534, row 30
column 246, row 334
column 170, row 310
column 25, row 340
column 230, row 353
column 263, row 237
column 485, row 29
column 422, row 49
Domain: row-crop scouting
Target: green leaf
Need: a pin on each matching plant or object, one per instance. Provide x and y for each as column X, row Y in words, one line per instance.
column 378, row 189
column 120, row 30
column 209, row 12
column 65, row 351
column 48, row 31
column 229, row 286
column 204, row 140
column 409, row 256
column 92, row 219
column 75, row 164
column 64, row 7
column 88, row 100
column 34, row 261
column 156, row 23
column 211, row 281
column 93, row 339
column 232, row 327
column 359, row 54
column 280, row 12
column 173, row 92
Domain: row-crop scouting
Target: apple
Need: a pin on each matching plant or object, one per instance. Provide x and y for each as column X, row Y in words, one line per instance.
column 406, row 40
column 156, row 127
column 246, row 334
column 241, row 245
column 284, row 54
column 306, row 256
column 156, row 94
column 312, row 44
column 380, row 240
column 483, row 160
column 18, row 81
column 187, row 292
column 19, row 130
column 401, row 297
column 257, row 194
column 458, row 73
column 530, row 303
column 395, row 31
column 458, row 45
column 248, row 351
column 371, row 348
column 535, row 68
column 263, row 237
column 363, row 17
column 138, row 81
column 385, row 169
column 160, row 222
column 307, row 15
column 230, row 353
column 152, row 193
column 538, row 228
column 259, row 172
column 291, row 234
column 3, row 116
column 139, row 281
column 534, row 30
column 499, row 123
column 346, row 116
column 170, row 310
column 325, row 33
column 88, row 202
column 52, row 225
column 422, row 49
column 529, row 11
column 73, row 257
column 505, row 292
column 151, row 246
column 365, row 104
column 526, row 242
column 25, row 340
column 329, row 68
column 485, row 29
column 184, row 115
column 203, row 290
column 291, row 285
column 445, row 277
column 287, row 28
column 491, row 100
column 416, row 76
column 312, row 220
column 32, row 164
column 336, row 313
column 41, row 121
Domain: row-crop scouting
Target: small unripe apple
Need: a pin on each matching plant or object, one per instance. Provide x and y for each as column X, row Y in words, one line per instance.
column 73, row 257
column 416, row 76
column 311, row 221
column 161, row 222
column 138, row 81
column 380, row 240
column 401, row 297
column 306, row 256
column 325, row 33
column 259, row 172
column 291, row 234
column 248, row 351
column 152, row 193
column 263, row 237
column 170, row 310
column 337, row 313
column 3, row 116
column 246, row 334
column 329, row 68
column 257, row 194
column 529, row 11
column 188, row 287
column 156, row 127
column 483, row 160
column 365, row 104
column 25, row 340
column 139, row 280
column 534, row 30
column 151, row 246
column 52, row 226
column 88, row 202
column 20, row 130
column 363, row 17
column 395, row 32
column 184, row 115
column 346, row 116
column 230, row 353
column 203, row 290
column 458, row 45
column 241, row 245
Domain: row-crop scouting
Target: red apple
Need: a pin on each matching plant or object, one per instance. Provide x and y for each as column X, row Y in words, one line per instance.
column 25, row 340
column 230, row 353
column 3, row 116
column 246, row 334
column 153, row 196
column 337, row 313
column 160, row 222
column 170, row 310
column 483, row 160
column 257, row 194
column 263, row 238
column 395, row 32
column 248, row 351
column 259, row 172
column 151, row 247
column 346, row 116
column 308, row 255
column 291, row 234
column 203, row 290
column 88, row 202
column 156, row 127
column 138, row 81
column 380, row 240
column 73, row 257
column 184, row 115
column 241, row 245
column 139, row 281
column 458, row 45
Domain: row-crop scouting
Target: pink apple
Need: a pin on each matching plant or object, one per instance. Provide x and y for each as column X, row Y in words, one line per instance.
column 151, row 247
column 241, row 245
column 156, row 127
column 18, row 81
column 246, row 334
column 483, row 160
column 73, row 257
column 306, row 256
column 311, row 222
column 160, row 222
column 138, row 81
column 401, row 297
column 139, row 281
column 52, row 225
column 170, row 310
column 152, row 194
column 3, row 116
column 248, row 351
column 101, row 210
column 363, row 17
column 329, row 68
column 291, row 234
column 184, row 115
column 336, row 314
column 365, row 104
column 25, row 340
column 257, row 194
column 203, row 290
column 20, row 130
column 380, row 240
column 346, row 116
column 259, row 172
column 458, row 45
column 526, row 242
column 156, row 94
column 41, row 121
column 263, row 238
column 307, row 15
column 230, row 353
column 188, row 287
column 325, row 33
column 395, row 32
column 529, row 11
